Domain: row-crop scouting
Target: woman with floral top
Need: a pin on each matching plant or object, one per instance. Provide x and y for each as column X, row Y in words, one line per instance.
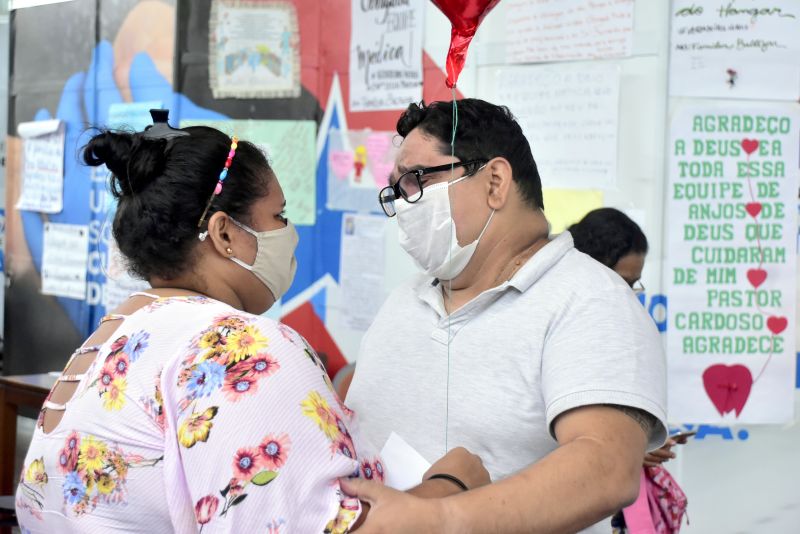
column 186, row 410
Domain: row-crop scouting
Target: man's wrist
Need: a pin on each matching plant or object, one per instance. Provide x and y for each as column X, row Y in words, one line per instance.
column 435, row 488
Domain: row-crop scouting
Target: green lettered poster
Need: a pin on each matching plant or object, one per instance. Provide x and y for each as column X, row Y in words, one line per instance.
column 731, row 263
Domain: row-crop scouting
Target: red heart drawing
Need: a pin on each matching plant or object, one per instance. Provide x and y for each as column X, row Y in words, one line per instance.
column 777, row 325
column 756, row 276
column 749, row 145
column 728, row 387
column 753, row 208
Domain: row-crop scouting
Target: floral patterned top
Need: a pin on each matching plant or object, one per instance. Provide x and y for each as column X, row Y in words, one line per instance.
column 197, row 417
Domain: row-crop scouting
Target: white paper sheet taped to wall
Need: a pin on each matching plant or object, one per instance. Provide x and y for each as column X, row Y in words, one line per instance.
column 43, row 166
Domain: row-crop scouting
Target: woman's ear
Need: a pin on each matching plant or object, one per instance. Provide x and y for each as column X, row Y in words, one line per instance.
column 500, row 182
column 219, row 234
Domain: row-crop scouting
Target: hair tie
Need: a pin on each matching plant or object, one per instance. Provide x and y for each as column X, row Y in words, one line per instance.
column 220, row 181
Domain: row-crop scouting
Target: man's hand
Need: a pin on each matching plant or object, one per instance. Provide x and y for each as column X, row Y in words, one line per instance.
column 463, row 465
column 392, row 511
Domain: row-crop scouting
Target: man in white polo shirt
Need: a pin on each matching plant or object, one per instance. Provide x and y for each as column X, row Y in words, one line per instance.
column 512, row 344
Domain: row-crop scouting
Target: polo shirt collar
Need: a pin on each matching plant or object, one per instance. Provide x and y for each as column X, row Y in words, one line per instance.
column 542, row 261
column 429, row 289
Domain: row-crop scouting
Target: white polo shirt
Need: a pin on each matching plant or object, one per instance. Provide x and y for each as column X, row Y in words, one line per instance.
column 564, row 332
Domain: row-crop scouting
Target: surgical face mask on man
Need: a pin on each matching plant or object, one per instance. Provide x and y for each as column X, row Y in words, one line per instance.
column 428, row 232
column 275, row 264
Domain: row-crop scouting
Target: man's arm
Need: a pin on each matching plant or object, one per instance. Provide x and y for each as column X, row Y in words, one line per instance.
column 593, row 473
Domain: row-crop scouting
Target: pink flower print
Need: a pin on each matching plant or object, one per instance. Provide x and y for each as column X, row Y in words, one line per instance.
column 274, row 450
column 367, row 470
column 343, row 445
column 379, row 470
column 118, row 344
column 67, row 460
column 106, row 376
column 238, row 386
column 205, row 509
column 246, row 462
column 260, row 365
column 119, row 364
column 235, row 487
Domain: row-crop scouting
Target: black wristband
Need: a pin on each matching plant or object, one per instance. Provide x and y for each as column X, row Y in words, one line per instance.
column 451, row 478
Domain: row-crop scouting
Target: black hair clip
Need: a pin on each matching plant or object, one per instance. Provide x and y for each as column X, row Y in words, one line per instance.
column 160, row 129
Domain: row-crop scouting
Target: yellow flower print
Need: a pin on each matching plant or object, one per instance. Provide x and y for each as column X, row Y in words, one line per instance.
column 114, row 396
column 105, row 484
column 35, row 473
column 245, row 343
column 210, row 339
column 196, row 427
column 344, row 519
column 318, row 409
column 118, row 464
column 92, row 455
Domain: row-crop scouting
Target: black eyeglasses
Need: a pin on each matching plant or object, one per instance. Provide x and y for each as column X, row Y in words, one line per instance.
column 409, row 185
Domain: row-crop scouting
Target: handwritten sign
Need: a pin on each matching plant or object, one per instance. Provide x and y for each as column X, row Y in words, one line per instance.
column 64, row 259
column 385, row 54
column 43, row 169
column 569, row 116
column 558, row 30
column 731, row 269
column 290, row 147
column 735, row 49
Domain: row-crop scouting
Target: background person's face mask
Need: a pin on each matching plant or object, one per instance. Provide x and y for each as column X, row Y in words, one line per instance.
column 275, row 264
column 428, row 233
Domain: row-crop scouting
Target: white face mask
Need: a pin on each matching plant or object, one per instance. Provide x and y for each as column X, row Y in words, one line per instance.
column 428, row 233
column 275, row 264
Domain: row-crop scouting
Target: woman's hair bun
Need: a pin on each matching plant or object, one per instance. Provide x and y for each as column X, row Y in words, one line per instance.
column 134, row 162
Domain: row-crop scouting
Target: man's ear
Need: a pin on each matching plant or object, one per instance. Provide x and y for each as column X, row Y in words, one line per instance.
column 220, row 235
column 500, row 182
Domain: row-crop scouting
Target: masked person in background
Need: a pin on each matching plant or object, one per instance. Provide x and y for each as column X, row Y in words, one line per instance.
column 512, row 344
column 612, row 238
column 186, row 410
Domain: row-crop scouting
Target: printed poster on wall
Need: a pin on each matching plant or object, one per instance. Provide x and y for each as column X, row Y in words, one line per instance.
column 731, row 266
column 559, row 30
column 570, row 116
column 386, row 54
column 361, row 270
column 64, row 260
column 359, row 165
column 254, row 49
column 735, row 49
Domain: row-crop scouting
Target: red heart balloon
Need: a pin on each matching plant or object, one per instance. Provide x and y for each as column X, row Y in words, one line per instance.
column 753, row 208
column 728, row 387
column 756, row 276
column 777, row 325
column 465, row 17
column 749, row 145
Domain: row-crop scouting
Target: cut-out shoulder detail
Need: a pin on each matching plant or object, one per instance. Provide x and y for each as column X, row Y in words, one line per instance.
column 145, row 294
column 112, row 317
column 50, row 405
column 71, row 378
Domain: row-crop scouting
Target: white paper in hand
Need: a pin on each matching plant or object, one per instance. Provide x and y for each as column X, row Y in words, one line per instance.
column 404, row 465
